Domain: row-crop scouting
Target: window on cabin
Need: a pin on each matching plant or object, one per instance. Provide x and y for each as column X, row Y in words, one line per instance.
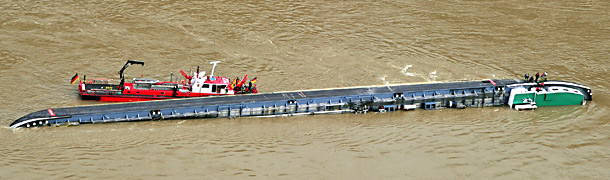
column 206, row 86
column 213, row 88
column 142, row 86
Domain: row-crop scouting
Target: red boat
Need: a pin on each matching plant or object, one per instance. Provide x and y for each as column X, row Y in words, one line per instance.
column 197, row 85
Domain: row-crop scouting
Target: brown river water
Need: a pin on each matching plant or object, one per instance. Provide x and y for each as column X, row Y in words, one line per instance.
column 294, row 45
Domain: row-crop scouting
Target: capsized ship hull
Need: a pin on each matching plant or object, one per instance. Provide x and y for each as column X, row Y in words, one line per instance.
column 429, row 96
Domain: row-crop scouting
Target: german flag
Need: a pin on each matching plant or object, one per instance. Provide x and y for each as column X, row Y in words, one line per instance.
column 74, row 79
column 253, row 80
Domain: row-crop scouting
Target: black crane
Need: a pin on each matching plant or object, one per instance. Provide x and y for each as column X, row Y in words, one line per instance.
column 127, row 64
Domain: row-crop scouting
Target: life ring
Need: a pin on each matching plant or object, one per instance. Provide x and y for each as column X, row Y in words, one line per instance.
column 182, row 82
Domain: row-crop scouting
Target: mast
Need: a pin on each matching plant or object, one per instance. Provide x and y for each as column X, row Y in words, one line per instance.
column 213, row 67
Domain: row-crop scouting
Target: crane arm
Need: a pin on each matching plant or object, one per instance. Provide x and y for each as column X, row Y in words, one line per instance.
column 127, row 64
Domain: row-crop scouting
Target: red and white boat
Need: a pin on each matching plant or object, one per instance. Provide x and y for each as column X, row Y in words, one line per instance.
column 197, row 85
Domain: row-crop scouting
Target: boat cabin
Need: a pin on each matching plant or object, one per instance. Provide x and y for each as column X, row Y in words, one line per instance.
column 545, row 96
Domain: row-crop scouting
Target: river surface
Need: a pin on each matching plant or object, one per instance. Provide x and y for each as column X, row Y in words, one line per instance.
column 294, row 45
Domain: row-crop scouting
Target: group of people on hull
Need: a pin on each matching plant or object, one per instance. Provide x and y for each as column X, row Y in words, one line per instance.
column 238, row 86
column 539, row 79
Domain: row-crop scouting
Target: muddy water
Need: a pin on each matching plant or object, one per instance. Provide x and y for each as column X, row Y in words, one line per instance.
column 305, row 45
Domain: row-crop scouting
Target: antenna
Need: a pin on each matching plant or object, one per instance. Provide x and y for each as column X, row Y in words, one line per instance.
column 213, row 67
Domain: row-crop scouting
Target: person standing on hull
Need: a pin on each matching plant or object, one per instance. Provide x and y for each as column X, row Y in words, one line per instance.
column 543, row 78
column 537, row 76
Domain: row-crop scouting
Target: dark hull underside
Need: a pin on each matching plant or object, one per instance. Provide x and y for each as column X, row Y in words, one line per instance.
column 356, row 99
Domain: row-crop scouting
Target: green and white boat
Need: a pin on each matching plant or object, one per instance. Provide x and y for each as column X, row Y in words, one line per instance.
column 531, row 96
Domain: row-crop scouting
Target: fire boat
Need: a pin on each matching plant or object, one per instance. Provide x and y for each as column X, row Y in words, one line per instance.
column 140, row 89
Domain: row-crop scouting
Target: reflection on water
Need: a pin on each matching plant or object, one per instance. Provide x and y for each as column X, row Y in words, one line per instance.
column 308, row 45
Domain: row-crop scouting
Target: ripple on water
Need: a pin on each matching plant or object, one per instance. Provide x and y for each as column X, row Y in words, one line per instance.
column 308, row 45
